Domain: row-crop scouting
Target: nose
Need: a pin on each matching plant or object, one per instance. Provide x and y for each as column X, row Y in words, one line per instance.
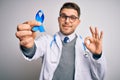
column 67, row 19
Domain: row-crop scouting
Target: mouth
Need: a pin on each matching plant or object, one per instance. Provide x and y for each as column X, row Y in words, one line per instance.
column 66, row 26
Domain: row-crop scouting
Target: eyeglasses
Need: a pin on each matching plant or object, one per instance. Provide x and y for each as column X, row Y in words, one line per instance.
column 71, row 18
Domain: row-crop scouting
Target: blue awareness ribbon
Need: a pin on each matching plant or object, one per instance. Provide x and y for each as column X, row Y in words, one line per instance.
column 40, row 18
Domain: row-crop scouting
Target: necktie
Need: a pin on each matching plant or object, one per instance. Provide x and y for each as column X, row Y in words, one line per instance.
column 66, row 39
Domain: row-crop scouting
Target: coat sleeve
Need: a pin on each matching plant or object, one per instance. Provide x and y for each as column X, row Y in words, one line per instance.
column 41, row 45
column 98, row 67
column 28, row 52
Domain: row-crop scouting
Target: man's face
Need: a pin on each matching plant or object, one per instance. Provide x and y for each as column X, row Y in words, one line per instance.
column 68, row 21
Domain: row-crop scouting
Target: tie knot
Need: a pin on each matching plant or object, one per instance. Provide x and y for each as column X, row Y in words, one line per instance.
column 66, row 39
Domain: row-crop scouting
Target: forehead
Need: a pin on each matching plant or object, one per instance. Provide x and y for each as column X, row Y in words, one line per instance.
column 69, row 12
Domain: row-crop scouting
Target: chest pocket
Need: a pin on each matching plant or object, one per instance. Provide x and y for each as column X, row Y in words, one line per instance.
column 54, row 53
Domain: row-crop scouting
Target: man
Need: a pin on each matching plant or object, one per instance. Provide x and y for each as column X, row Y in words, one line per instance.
column 65, row 55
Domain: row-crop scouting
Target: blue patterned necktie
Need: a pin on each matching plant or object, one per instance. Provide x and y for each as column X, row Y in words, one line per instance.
column 66, row 39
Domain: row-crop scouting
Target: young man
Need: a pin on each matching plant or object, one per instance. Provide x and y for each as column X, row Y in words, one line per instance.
column 65, row 55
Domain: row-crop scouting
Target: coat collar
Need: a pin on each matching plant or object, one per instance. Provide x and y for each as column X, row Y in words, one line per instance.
column 57, row 39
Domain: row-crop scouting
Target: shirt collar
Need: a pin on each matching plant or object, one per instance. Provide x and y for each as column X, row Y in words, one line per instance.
column 71, row 36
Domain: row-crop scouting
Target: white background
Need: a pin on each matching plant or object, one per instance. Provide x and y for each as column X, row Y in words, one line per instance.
column 105, row 14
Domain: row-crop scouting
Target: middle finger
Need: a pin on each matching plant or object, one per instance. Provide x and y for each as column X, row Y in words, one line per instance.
column 96, row 33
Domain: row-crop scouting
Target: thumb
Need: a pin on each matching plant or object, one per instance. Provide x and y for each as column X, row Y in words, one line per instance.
column 87, row 41
column 34, row 34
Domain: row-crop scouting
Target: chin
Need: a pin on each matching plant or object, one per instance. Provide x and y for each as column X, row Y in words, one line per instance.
column 67, row 33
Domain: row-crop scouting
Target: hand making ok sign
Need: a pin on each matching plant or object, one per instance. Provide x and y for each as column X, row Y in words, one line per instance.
column 94, row 43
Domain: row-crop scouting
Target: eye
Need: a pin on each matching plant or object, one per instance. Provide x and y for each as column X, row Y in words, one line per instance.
column 73, row 17
column 63, row 16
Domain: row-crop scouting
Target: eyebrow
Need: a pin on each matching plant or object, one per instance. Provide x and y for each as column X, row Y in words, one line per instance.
column 67, row 15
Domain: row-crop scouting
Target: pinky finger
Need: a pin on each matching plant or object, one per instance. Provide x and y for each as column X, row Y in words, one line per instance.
column 26, row 42
column 101, row 35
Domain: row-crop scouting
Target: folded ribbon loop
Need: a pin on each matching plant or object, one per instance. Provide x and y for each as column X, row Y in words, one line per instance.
column 40, row 18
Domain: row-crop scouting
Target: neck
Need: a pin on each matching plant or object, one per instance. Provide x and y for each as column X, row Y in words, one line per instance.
column 71, row 36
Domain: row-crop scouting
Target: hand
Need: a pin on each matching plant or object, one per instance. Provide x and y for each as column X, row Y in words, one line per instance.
column 25, row 34
column 94, row 43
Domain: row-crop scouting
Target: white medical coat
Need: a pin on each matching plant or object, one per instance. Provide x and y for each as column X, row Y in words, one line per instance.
column 50, row 48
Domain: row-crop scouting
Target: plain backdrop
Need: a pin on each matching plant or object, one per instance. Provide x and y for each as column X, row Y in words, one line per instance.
column 105, row 14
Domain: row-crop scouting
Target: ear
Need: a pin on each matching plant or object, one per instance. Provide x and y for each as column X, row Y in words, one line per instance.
column 58, row 19
column 78, row 22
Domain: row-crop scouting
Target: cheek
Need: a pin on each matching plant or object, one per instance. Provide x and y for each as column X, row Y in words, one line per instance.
column 59, row 22
column 76, row 25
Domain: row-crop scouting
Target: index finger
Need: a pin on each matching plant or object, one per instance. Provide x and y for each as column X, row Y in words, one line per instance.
column 32, row 23
column 101, row 35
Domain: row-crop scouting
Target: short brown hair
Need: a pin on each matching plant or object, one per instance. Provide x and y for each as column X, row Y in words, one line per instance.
column 71, row 5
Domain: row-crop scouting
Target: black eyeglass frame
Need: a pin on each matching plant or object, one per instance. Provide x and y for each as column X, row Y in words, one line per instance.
column 72, row 18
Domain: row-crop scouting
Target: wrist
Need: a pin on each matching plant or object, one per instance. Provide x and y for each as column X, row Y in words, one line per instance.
column 96, row 55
